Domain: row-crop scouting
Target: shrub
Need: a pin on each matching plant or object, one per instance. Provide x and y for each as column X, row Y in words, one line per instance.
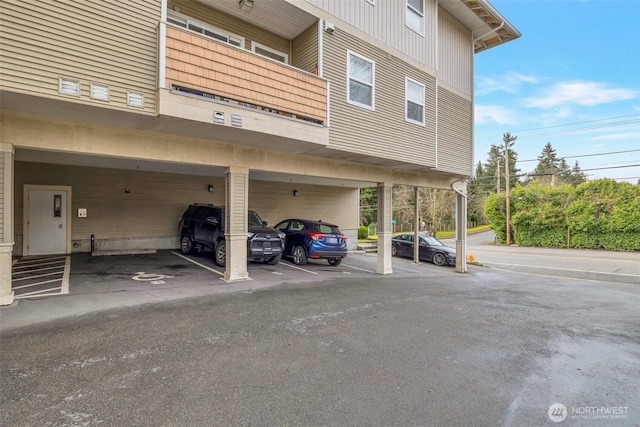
column 363, row 232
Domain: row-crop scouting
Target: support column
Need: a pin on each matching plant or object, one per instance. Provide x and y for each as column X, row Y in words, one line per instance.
column 384, row 228
column 235, row 228
column 6, row 221
column 460, row 187
column 416, row 222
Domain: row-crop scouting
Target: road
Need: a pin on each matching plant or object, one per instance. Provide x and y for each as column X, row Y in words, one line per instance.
column 485, row 348
column 603, row 266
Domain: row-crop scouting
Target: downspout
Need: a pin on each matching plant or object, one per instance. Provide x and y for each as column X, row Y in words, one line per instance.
column 162, row 46
column 492, row 31
column 437, row 78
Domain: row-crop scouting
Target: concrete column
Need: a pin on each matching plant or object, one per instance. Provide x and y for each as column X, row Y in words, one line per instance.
column 235, row 228
column 460, row 187
column 416, row 222
column 384, row 228
column 6, row 221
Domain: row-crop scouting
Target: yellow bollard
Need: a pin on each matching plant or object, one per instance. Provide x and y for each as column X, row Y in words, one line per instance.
column 471, row 259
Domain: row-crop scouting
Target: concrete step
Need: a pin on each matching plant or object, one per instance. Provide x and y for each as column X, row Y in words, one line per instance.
column 368, row 247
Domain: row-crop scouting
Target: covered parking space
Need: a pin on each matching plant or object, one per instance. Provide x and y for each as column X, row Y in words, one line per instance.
column 108, row 182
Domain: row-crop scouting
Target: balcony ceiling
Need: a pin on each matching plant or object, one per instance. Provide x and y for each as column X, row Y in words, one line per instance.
column 276, row 16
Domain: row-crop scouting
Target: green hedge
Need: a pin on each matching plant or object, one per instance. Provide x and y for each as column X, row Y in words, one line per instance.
column 599, row 214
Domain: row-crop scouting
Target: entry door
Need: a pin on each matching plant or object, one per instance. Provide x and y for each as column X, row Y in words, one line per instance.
column 47, row 222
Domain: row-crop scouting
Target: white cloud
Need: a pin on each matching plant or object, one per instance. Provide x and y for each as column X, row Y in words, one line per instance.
column 484, row 114
column 509, row 83
column 616, row 136
column 581, row 93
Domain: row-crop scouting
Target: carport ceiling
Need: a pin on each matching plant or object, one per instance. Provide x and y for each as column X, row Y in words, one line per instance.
column 61, row 158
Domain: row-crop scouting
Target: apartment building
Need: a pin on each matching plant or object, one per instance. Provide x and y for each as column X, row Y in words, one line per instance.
column 115, row 115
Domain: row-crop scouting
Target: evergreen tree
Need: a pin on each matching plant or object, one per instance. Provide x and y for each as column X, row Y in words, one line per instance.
column 576, row 176
column 548, row 169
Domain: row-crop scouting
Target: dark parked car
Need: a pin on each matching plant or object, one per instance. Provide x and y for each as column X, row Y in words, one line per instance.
column 202, row 227
column 431, row 249
column 313, row 239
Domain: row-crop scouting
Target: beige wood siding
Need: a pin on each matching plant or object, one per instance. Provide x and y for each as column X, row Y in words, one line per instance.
column 232, row 25
column 304, row 50
column 455, row 53
column 156, row 201
column 455, row 145
column 109, row 42
column 386, row 22
column 383, row 132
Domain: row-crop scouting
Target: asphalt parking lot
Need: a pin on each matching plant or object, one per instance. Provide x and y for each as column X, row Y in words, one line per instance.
column 98, row 283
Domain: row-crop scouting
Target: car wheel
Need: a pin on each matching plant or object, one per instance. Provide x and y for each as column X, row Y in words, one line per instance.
column 221, row 253
column 439, row 259
column 394, row 250
column 335, row 261
column 274, row 260
column 299, row 255
column 186, row 245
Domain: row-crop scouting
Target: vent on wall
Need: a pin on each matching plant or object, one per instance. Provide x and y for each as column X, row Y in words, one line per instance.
column 69, row 86
column 135, row 99
column 99, row 91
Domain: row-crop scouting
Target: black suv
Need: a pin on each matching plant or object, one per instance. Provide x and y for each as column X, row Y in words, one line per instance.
column 202, row 227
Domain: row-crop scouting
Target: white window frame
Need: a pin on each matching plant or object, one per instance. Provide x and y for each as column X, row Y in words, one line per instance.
column 255, row 45
column 185, row 22
column 413, row 13
column 372, row 84
column 407, row 81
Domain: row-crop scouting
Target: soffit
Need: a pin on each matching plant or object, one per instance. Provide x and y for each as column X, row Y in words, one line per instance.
column 268, row 14
column 481, row 18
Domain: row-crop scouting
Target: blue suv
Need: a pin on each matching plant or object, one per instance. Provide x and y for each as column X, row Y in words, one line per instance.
column 312, row 239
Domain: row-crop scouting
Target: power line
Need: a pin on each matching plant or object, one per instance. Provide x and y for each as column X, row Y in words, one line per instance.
column 578, row 123
column 586, row 155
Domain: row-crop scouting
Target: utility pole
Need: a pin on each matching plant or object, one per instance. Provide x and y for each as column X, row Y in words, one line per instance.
column 498, row 176
column 507, row 189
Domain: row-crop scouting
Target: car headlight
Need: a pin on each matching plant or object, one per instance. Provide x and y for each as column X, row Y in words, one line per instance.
column 250, row 235
column 282, row 236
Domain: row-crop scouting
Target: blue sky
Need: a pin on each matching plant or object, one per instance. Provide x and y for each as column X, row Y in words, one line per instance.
column 572, row 79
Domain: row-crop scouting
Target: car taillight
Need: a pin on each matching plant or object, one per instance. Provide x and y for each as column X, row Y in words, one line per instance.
column 315, row 235
column 343, row 237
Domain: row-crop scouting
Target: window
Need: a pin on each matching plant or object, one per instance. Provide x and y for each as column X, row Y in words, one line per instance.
column 415, row 15
column 414, row 94
column 360, row 71
column 269, row 53
column 205, row 29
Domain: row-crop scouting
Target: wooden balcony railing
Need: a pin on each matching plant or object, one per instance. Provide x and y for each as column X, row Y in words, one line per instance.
column 199, row 64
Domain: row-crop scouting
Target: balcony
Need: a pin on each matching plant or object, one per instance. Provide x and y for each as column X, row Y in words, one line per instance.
column 214, row 82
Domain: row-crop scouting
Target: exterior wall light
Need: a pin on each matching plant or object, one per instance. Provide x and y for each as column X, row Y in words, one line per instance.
column 246, row 5
column 295, row 193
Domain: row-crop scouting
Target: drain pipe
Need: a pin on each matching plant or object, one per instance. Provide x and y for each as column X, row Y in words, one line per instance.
column 461, row 228
column 489, row 32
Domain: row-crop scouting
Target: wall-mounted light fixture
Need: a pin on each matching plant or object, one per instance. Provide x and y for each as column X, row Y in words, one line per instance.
column 210, row 188
column 295, row 193
column 246, row 5
column 126, row 190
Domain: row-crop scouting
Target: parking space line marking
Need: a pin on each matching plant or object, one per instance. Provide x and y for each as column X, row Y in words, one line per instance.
column 37, row 276
column 37, row 284
column 358, row 268
column 39, row 293
column 564, row 269
column 297, row 268
column 213, row 270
